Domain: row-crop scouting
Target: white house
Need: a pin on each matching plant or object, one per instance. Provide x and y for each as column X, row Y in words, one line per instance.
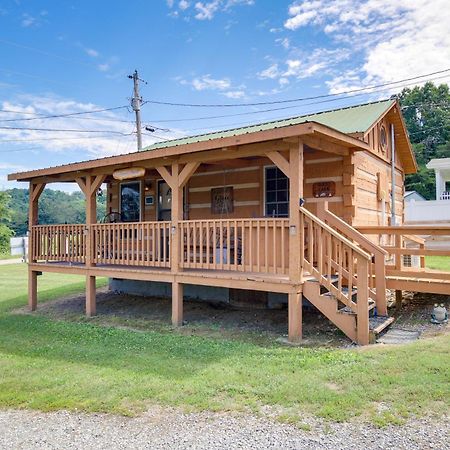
column 432, row 212
column 442, row 170
column 411, row 196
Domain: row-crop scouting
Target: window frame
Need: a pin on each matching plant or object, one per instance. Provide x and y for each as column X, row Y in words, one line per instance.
column 270, row 166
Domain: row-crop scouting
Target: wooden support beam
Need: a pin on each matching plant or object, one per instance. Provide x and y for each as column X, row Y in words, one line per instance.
column 177, row 215
column 32, row 290
column 398, row 299
column 295, row 316
column 96, row 183
column 187, row 172
column 82, row 184
column 35, row 192
column 362, row 318
column 91, row 304
column 280, row 161
column 296, row 192
column 324, row 145
column 91, row 217
column 177, row 304
column 168, row 178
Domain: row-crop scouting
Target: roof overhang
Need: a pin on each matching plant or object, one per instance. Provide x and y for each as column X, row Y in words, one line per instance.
column 164, row 156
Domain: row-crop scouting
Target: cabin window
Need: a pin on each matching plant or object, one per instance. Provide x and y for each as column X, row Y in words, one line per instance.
column 130, row 201
column 276, row 192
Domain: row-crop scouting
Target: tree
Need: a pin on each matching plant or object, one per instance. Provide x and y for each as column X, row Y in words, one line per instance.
column 54, row 207
column 5, row 231
column 426, row 110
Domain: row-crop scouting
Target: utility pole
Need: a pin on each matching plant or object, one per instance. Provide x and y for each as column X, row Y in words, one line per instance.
column 136, row 105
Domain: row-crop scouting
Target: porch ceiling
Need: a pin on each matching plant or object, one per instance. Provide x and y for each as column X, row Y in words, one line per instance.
column 220, row 148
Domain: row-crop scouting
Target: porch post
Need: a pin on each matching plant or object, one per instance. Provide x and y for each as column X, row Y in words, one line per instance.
column 35, row 192
column 295, row 316
column 177, row 180
column 295, row 238
column 177, row 215
column 295, row 193
column 91, row 306
column 90, row 185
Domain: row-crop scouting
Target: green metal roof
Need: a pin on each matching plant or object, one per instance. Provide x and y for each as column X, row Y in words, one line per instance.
column 352, row 119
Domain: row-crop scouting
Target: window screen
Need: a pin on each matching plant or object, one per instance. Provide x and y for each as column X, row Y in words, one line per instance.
column 277, row 193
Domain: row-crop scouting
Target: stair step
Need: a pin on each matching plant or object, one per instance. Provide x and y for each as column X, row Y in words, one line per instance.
column 344, row 291
column 347, row 310
column 313, row 279
column 379, row 323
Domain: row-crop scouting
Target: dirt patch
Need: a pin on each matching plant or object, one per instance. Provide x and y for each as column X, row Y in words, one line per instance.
column 260, row 326
column 415, row 313
column 201, row 318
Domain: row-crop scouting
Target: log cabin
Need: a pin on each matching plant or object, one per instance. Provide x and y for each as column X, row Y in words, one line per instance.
column 308, row 208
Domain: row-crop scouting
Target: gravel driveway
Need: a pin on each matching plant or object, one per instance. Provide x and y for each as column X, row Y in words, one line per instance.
column 171, row 429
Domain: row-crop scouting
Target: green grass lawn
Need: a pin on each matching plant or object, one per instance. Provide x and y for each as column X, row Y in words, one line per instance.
column 51, row 364
column 8, row 256
column 438, row 262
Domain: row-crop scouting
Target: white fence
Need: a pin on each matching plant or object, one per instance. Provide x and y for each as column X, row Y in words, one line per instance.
column 19, row 246
column 427, row 211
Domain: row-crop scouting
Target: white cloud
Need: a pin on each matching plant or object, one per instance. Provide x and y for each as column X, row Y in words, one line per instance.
column 183, row 5
column 115, row 130
column 91, row 52
column 234, row 94
column 391, row 40
column 206, row 82
column 304, row 65
column 271, row 72
column 204, row 10
column 33, row 21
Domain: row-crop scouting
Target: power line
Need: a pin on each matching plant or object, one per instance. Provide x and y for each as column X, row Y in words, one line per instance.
column 42, row 52
column 56, row 116
column 276, row 109
column 64, row 130
column 57, row 138
column 231, row 105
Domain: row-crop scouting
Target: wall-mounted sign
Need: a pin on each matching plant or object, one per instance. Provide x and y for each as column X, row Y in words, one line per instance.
column 128, row 173
column 324, row 189
column 222, row 200
column 149, row 200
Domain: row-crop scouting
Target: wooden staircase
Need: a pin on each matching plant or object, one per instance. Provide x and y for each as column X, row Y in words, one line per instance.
column 344, row 276
column 344, row 317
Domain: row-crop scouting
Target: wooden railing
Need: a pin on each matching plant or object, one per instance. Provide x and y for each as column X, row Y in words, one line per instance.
column 337, row 264
column 65, row 243
column 403, row 240
column 250, row 245
column 132, row 244
column 377, row 266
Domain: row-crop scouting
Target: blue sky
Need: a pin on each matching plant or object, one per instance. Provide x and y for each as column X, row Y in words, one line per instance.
column 66, row 56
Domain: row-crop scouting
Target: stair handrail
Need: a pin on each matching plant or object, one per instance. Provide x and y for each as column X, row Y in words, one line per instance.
column 363, row 262
column 325, row 214
column 337, row 235
column 379, row 254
